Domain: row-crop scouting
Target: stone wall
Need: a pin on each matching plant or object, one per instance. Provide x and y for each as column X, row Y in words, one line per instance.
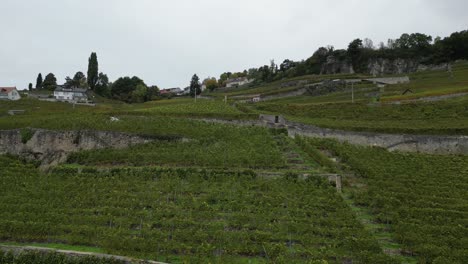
column 294, row 93
column 432, row 144
column 52, row 147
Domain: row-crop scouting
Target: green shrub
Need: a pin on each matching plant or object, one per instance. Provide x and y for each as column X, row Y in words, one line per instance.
column 26, row 135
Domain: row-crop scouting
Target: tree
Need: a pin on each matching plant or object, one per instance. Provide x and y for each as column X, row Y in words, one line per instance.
column 195, row 88
column 102, row 85
column 286, row 65
column 139, row 94
column 93, row 70
column 50, row 82
column 368, row 43
column 211, row 84
column 39, row 81
column 355, row 53
column 153, row 92
column 30, row 87
column 78, row 81
column 122, row 89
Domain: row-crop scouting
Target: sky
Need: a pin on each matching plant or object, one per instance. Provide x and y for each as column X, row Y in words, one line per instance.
column 165, row 42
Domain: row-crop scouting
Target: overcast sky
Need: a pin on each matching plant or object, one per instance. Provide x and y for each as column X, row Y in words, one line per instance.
column 166, row 42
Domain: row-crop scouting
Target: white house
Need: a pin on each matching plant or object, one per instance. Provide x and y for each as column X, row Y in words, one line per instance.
column 9, row 93
column 70, row 94
column 176, row 90
column 236, row 82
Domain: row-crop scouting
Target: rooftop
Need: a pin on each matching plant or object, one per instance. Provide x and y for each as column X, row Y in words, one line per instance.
column 7, row 89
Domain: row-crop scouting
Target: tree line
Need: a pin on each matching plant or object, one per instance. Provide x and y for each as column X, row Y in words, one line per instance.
column 417, row 46
column 128, row 89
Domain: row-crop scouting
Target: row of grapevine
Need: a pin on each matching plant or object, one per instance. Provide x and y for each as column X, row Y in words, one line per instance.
column 175, row 214
column 422, row 197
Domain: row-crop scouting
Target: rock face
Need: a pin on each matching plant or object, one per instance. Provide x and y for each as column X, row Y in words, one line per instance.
column 379, row 66
column 334, row 66
column 396, row 66
column 52, row 147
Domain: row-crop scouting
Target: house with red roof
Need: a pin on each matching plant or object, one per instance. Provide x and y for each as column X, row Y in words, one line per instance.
column 9, row 93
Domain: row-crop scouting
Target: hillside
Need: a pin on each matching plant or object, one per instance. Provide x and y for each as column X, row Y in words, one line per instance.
column 214, row 187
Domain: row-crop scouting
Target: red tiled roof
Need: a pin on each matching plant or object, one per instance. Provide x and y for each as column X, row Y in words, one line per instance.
column 7, row 89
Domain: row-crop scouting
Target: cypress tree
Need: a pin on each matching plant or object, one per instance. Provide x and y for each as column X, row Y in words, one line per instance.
column 92, row 70
column 39, row 81
column 195, row 86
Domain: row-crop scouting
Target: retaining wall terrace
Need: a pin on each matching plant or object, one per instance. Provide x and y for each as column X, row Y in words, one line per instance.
column 431, row 144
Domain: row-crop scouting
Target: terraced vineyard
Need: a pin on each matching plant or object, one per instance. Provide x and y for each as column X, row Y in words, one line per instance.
column 447, row 117
column 188, row 107
column 210, row 192
column 183, row 214
column 335, row 110
column 421, row 198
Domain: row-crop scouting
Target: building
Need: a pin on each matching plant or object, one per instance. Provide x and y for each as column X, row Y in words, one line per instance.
column 256, row 99
column 236, row 82
column 9, row 93
column 176, row 90
column 62, row 93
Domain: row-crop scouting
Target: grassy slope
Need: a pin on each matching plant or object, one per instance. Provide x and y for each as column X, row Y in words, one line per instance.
column 336, row 111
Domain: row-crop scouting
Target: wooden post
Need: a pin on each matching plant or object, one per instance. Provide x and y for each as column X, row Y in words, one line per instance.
column 338, row 183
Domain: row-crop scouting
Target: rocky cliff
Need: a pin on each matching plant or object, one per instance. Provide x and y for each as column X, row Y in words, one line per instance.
column 379, row 66
column 52, row 147
column 335, row 66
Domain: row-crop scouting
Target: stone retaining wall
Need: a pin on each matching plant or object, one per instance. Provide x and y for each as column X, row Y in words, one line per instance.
column 52, row 147
column 431, row 144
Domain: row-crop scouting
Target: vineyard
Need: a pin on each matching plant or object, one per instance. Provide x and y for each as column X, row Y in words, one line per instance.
column 207, row 192
column 183, row 215
column 335, row 110
column 447, row 117
column 421, row 198
column 188, row 107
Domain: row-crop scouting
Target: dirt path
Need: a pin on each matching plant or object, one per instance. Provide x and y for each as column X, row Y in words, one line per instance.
column 75, row 254
column 431, row 98
column 380, row 231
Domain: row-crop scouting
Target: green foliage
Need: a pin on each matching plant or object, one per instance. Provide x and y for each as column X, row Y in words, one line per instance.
column 195, row 88
column 139, row 94
column 209, row 146
column 50, row 82
column 445, row 117
column 93, row 69
column 422, row 197
column 189, row 108
column 102, row 85
column 189, row 214
column 211, row 84
column 26, row 135
column 39, row 81
column 78, row 81
column 316, row 154
column 123, row 88
column 416, row 47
